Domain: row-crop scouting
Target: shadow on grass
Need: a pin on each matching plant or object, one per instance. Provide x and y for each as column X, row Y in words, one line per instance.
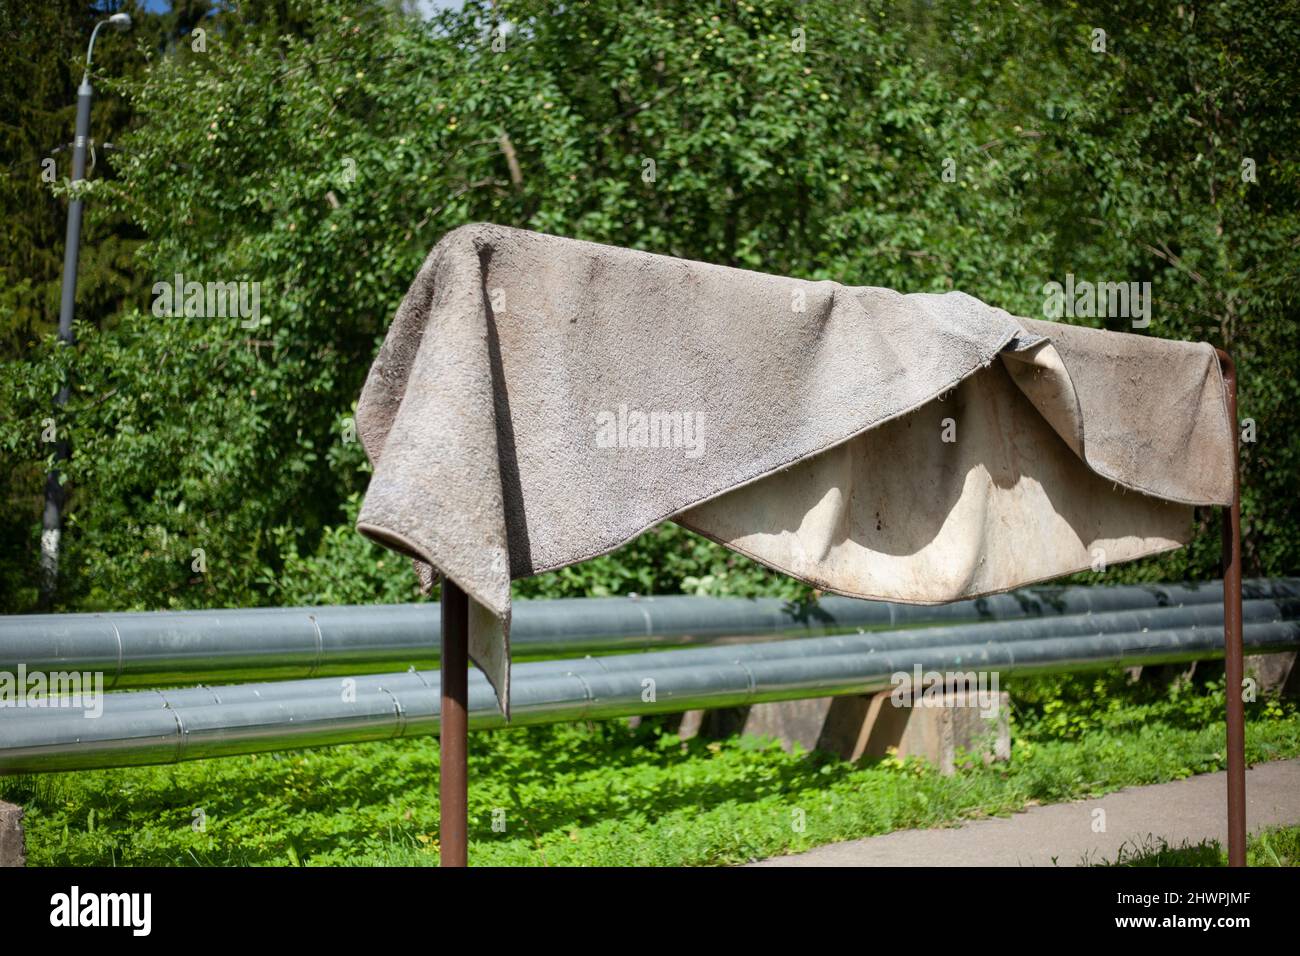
column 1276, row 846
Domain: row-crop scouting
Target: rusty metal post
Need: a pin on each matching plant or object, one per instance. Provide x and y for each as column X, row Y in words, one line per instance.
column 453, row 740
column 1232, row 652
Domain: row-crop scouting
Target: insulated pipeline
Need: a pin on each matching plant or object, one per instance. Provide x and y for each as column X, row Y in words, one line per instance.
column 155, row 649
column 1074, row 627
column 160, row 727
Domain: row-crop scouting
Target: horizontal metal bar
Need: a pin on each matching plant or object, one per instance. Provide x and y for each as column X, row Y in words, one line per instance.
column 154, row 649
column 1075, row 626
column 325, row 711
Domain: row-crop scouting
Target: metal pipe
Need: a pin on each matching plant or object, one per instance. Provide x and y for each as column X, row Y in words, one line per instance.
column 863, row 642
column 1234, row 666
column 1075, row 627
column 162, row 648
column 334, row 711
column 453, row 738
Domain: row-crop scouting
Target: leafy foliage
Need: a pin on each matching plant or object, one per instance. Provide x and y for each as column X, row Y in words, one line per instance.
column 321, row 149
column 589, row 794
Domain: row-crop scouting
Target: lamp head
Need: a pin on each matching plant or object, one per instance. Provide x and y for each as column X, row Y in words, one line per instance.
column 122, row 21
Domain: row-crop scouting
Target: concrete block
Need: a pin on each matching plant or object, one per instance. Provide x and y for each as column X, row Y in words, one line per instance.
column 712, row 724
column 869, row 726
column 790, row 721
column 1274, row 673
column 1166, row 675
column 12, row 846
column 859, row 727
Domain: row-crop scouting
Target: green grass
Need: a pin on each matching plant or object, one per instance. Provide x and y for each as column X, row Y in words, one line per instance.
column 606, row 794
column 1273, row 846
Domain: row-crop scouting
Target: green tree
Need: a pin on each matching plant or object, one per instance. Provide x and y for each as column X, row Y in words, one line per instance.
column 321, row 149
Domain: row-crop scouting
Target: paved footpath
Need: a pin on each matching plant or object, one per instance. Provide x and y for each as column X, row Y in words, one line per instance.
column 1062, row 834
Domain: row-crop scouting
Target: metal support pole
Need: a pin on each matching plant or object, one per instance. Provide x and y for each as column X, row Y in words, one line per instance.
column 1232, row 650
column 453, row 784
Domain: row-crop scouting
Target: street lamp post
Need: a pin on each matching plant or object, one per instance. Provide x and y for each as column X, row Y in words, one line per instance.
column 52, row 520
